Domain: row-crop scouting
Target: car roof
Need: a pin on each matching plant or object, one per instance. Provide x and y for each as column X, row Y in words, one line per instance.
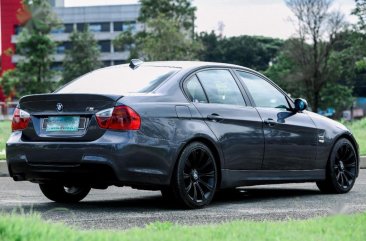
column 187, row 64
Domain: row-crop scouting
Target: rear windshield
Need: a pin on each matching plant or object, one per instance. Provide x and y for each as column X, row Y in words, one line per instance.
column 121, row 79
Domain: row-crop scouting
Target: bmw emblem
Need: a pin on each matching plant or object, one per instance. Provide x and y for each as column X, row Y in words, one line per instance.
column 59, row 107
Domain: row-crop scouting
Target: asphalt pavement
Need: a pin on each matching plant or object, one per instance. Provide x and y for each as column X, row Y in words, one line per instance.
column 122, row 208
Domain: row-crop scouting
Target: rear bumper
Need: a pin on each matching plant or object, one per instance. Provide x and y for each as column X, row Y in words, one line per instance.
column 117, row 158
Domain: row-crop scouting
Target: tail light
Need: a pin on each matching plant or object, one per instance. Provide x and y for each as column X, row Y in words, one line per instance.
column 20, row 120
column 119, row 118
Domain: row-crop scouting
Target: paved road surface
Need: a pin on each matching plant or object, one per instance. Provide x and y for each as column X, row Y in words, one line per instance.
column 121, row 208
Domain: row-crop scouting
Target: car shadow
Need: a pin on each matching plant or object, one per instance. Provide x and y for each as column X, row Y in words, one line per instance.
column 155, row 203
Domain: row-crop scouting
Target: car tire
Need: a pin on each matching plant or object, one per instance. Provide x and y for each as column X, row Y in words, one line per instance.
column 195, row 178
column 64, row 194
column 341, row 169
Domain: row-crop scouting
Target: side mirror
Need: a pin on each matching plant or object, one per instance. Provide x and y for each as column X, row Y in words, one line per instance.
column 300, row 105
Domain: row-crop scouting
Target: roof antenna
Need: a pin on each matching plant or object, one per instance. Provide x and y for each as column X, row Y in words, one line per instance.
column 135, row 63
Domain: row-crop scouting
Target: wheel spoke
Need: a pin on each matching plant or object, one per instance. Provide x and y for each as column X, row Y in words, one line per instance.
column 342, row 151
column 338, row 176
column 200, row 157
column 186, row 176
column 350, row 174
column 206, row 164
column 342, row 180
column 194, row 192
column 346, row 179
column 206, row 185
column 350, row 165
column 188, row 189
column 194, row 155
column 201, row 192
column 208, row 174
column 349, row 156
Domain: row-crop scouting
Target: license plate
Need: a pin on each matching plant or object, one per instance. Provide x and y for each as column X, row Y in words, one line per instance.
column 63, row 123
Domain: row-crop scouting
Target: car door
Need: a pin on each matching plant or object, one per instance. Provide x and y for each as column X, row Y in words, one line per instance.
column 290, row 138
column 238, row 127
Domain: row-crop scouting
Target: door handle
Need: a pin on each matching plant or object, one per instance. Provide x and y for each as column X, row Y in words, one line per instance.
column 215, row 117
column 270, row 122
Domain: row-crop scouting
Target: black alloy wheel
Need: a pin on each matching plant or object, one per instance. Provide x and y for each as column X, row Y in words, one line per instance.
column 64, row 194
column 195, row 180
column 341, row 169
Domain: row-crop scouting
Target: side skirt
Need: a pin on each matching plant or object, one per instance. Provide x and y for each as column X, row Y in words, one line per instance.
column 235, row 178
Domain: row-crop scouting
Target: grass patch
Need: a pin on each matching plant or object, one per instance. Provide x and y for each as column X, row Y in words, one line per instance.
column 342, row 228
column 5, row 130
column 358, row 129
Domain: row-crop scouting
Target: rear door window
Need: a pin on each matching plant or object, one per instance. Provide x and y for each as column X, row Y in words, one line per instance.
column 221, row 87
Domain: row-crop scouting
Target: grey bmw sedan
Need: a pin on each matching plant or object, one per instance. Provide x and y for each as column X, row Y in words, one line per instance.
column 185, row 128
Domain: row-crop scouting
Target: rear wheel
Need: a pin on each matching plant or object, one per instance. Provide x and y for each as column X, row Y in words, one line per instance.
column 341, row 169
column 195, row 178
column 64, row 194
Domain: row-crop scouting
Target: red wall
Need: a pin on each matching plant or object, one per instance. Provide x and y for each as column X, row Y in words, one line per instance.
column 9, row 20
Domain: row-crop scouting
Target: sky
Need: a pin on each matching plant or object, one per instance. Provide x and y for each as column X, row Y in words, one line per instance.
column 240, row 17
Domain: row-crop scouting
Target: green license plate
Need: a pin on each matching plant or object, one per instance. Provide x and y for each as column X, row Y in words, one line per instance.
column 63, row 123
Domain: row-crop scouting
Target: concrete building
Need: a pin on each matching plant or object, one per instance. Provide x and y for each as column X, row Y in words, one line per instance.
column 106, row 22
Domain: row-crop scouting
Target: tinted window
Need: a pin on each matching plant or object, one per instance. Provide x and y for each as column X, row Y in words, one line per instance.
column 104, row 46
column 99, row 27
column 81, row 27
column 264, row 94
column 120, row 79
column 195, row 91
column 220, row 87
column 69, row 27
column 118, row 26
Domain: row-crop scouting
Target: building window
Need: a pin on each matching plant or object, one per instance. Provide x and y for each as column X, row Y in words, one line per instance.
column 81, row 27
column 124, row 26
column 106, row 63
column 18, row 29
column 60, row 49
column 105, row 46
column 129, row 26
column 118, row 26
column 99, row 27
column 67, row 45
column 57, row 66
column 69, row 28
column 57, row 30
column 117, row 62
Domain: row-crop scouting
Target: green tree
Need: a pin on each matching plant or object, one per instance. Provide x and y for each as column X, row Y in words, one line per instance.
column 342, row 76
column 36, row 48
column 8, row 81
column 82, row 57
column 180, row 11
column 250, row 51
column 311, row 51
column 168, row 35
column 360, row 12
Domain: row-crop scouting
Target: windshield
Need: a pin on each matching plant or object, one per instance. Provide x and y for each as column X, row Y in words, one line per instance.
column 119, row 79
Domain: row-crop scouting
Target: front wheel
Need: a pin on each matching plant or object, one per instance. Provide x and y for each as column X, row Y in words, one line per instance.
column 195, row 178
column 64, row 194
column 341, row 169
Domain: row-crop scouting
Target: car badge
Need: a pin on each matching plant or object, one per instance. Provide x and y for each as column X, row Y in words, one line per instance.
column 59, row 107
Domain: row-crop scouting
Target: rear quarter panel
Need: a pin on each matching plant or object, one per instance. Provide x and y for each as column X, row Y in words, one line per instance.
column 166, row 132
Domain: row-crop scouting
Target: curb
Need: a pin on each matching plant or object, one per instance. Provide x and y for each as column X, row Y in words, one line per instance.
column 4, row 167
column 363, row 162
